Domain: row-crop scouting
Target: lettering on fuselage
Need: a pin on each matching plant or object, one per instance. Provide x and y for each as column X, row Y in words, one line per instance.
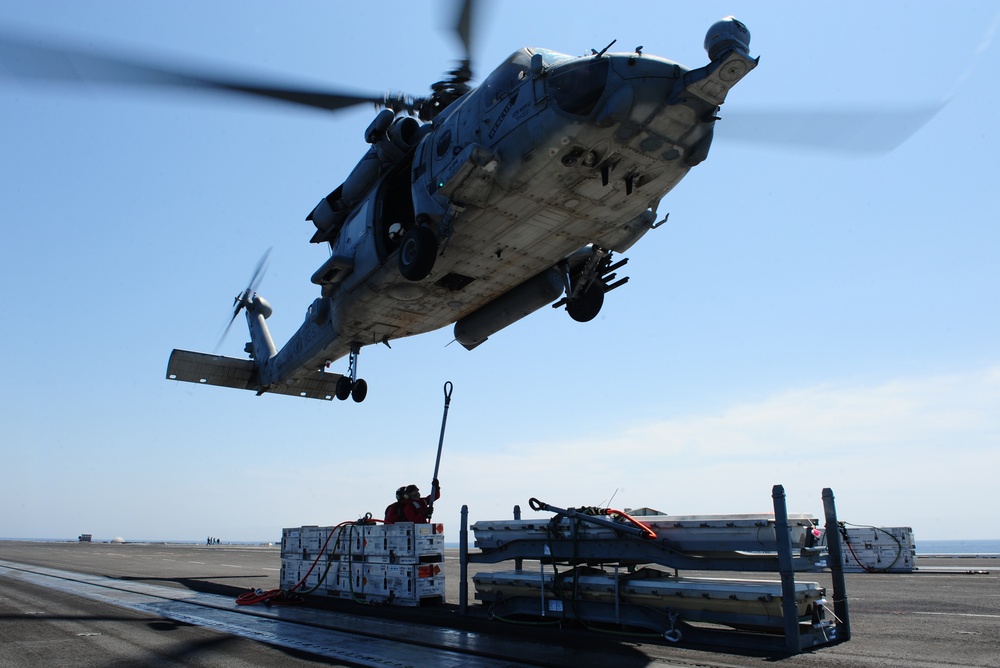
column 522, row 112
column 503, row 115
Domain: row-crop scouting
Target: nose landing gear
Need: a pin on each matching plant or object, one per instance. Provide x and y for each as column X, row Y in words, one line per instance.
column 586, row 286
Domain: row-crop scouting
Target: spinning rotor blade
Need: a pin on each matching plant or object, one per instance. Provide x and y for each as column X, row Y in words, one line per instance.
column 851, row 131
column 259, row 271
column 32, row 60
column 463, row 26
column 245, row 296
column 229, row 325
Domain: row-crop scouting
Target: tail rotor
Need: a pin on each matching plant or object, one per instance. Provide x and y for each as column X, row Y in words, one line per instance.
column 243, row 299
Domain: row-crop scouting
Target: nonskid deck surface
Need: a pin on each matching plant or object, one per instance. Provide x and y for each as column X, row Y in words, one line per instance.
column 899, row 620
column 354, row 641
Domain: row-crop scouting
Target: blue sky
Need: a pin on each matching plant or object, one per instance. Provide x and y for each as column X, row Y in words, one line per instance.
column 809, row 318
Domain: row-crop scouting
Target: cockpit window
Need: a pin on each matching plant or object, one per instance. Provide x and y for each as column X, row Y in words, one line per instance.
column 507, row 77
column 577, row 86
column 550, row 58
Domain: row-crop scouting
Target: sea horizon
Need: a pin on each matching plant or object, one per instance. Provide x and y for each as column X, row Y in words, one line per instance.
column 952, row 546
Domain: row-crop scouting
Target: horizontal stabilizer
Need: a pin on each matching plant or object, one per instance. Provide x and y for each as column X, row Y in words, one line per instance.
column 212, row 370
column 315, row 385
column 206, row 369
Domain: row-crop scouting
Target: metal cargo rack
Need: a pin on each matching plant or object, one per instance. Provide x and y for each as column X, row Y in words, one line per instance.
column 778, row 615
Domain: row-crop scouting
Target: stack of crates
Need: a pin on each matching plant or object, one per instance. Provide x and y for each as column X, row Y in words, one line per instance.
column 878, row 550
column 398, row 564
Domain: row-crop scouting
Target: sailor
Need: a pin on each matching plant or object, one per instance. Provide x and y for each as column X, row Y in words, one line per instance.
column 418, row 509
column 394, row 511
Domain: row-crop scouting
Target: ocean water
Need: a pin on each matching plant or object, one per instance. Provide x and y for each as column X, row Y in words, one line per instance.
column 151, row 541
column 957, row 546
column 965, row 546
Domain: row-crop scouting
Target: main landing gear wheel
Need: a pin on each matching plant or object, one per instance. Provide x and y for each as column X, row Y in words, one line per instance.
column 587, row 305
column 357, row 390
column 417, row 253
column 349, row 385
column 343, row 388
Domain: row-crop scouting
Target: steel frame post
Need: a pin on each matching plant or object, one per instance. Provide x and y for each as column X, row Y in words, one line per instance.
column 518, row 563
column 784, row 544
column 836, row 557
column 463, row 560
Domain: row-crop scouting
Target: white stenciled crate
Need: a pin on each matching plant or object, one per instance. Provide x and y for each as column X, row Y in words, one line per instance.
column 304, row 542
column 305, row 574
column 399, row 584
column 291, row 541
column 290, row 573
column 404, row 539
column 399, row 563
column 881, row 535
column 878, row 549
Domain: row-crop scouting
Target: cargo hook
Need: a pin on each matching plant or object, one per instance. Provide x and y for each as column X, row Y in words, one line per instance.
column 673, row 634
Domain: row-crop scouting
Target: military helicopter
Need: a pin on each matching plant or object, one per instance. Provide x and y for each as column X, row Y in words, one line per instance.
column 479, row 206
column 475, row 206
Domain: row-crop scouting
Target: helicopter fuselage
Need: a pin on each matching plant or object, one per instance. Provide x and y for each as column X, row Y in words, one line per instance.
column 516, row 194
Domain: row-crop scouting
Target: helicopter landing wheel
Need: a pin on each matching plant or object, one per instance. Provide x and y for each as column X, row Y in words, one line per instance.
column 359, row 391
column 587, row 305
column 417, row 253
column 343, row 389
column 349, row 385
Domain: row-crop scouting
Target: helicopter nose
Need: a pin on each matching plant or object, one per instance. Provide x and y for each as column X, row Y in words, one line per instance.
column 725, row 35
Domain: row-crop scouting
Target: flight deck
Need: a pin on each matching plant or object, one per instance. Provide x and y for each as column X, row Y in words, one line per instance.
column 93, row 604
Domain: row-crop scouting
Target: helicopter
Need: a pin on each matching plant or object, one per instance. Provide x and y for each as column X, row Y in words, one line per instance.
column 480, row 206
column 475, row 206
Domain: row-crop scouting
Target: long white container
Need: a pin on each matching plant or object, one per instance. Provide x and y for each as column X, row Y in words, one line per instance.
column 696, row 535
column 753, row 602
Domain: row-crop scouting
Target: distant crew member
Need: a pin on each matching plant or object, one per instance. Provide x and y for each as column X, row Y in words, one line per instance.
column 394, row 511
column 417, row 509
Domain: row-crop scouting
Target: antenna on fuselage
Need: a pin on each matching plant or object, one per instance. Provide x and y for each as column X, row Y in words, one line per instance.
column 604, row 50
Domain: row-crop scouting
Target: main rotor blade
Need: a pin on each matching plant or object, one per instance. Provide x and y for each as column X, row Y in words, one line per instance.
column 36, row 60
column 464, row 23
column 872, row 131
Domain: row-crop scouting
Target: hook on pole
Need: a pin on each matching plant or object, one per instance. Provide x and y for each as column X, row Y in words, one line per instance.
column 448, row 387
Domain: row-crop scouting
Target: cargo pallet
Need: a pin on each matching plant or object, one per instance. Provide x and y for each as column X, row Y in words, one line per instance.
column 783, row 616
column 397, row 564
